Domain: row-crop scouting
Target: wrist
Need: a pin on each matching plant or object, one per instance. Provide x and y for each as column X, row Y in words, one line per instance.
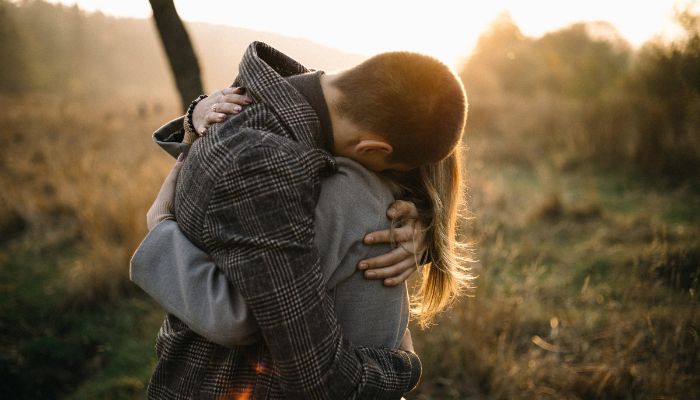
column 160, row 211
column 190, row 136
column 190, row 131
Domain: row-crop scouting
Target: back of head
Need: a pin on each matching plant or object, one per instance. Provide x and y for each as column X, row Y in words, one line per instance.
column 415, row 102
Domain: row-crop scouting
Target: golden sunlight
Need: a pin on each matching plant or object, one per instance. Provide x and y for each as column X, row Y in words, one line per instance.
column 446, row 29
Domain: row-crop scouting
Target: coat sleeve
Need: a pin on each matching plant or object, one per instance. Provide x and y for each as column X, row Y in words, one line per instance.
column 185, row 281
column 260, row 230
column 169, row 137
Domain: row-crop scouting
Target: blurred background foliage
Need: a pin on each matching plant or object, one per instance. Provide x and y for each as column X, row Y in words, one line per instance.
column 584, row 94
column 584, row 157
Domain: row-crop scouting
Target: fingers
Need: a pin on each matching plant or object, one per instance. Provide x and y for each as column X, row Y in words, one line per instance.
column 229, row 102
column 214, row 108
column 393, row 281
column 232, row 90
column 237, row 99
column 394, row 257
column 404, row 234
column 402, row 208
column 221, row 110
column 231, row 96
column 378, row 237
column 399, row 209
column 393, row 274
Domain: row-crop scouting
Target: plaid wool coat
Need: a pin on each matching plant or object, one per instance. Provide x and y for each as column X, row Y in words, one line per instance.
column 246, row 195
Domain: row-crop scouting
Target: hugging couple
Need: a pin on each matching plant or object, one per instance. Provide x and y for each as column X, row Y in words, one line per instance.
column 303, row 202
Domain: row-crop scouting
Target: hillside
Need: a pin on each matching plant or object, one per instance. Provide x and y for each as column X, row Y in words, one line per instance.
column 64, row 50
column 220, row 66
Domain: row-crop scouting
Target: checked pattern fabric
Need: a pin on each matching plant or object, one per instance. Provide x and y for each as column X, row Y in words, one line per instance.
column 246, row 195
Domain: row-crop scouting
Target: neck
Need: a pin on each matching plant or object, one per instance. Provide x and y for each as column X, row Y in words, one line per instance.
column 344, row 132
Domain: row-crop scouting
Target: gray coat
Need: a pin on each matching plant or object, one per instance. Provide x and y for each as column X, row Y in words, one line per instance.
column 187, row 283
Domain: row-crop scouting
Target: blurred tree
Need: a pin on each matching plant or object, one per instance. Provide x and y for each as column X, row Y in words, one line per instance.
column 51, row 45
column 178, row 47
column 58, row 49
column 578, row 61
column 666, row 82
column 502, row 61
column 583, row 59
column 13, row 62
column 558, row 96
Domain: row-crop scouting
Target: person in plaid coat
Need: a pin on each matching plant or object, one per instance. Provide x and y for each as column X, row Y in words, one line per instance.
column 246, row 195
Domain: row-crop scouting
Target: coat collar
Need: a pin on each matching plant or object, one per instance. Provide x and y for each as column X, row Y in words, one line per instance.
column 262, row 70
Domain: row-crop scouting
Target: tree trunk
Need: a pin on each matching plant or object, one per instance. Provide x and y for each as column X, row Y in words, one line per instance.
column 178, row 47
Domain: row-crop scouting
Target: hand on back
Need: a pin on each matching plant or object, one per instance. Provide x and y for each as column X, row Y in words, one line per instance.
column 214, row 108
column 398, row 264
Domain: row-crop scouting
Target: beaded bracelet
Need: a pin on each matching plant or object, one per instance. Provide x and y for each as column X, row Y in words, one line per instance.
column 188, row 117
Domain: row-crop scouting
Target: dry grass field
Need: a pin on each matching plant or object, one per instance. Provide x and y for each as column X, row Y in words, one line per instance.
column 78, row 177
column 587, row 276
column 587, row 289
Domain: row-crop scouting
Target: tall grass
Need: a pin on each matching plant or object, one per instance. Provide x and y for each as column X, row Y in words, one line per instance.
column 82, row 171
column 587, row 289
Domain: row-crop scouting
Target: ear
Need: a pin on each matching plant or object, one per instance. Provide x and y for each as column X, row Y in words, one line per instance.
column 369, row 146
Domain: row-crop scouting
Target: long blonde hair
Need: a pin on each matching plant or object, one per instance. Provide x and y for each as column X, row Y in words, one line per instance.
column 437, row 190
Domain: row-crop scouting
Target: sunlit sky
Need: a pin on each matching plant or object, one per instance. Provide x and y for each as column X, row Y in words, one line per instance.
column 446, row 29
